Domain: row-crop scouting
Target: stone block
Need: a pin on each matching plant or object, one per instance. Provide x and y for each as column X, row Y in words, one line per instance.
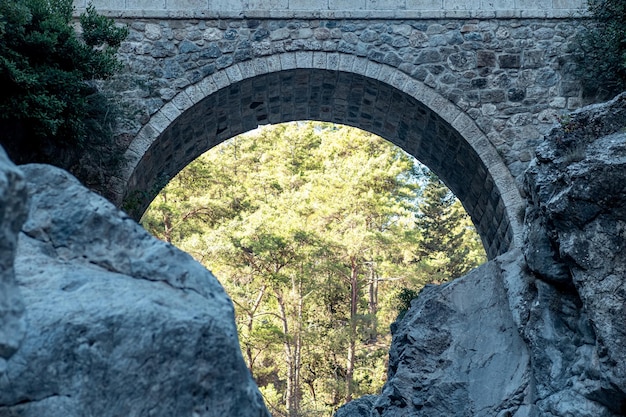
column 569, row 4
column 532, row 4
column 533, row 58
column 485, row 59
column 346, row 4
column 385, row 4
column 226, row 5
column 308, row 4
column 461, row 5
column 268, row 4
column 145, row 4
column 288, row 61
column 187, row 5
column 498, row 4
column 424, row 4
column 509, row 61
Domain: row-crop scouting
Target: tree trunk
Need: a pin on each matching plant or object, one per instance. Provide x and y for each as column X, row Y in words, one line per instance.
column 250, row 324
column 373, row 304
column 167, row 222
column 291, row 402
column 354, row 300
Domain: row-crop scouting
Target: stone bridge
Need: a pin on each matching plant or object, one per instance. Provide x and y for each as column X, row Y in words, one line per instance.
column 467, row 87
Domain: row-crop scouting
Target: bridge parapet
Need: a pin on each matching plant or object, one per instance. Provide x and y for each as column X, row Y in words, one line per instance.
column 337, row 9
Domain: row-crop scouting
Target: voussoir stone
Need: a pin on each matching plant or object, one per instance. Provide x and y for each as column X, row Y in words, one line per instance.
column 118, row 323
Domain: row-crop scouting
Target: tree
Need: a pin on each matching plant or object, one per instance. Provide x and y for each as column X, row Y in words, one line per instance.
column 311, row 228
column 602, row 58
column 49, row 108
column 447, row 248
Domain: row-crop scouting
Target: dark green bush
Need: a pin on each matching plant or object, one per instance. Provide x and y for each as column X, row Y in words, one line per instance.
column 602, row 60
column 403, row 301
column 50, row 109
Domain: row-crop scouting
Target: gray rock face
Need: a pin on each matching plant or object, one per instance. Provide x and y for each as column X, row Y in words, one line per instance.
column 118, row 323
column 361, row 407
column 538, row 332
column 577, row 190
column 12, row 213
column 457, row 352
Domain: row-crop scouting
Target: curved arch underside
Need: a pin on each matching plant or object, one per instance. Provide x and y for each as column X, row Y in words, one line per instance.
column 339, row 97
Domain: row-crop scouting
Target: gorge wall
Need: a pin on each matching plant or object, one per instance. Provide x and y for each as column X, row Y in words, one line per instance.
column 538, row 331
column 99, row 319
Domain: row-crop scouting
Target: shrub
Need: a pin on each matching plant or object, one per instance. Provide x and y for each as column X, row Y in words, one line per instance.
column 602, row 61
column 50, row 109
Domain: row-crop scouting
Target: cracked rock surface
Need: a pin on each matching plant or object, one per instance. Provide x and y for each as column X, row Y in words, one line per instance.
column 117, row 323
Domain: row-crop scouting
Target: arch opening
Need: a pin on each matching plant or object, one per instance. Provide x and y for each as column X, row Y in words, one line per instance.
column 321, row 234
column 446, row 143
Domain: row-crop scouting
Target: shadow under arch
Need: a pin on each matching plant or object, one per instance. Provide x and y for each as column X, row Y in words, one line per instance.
column 341, row 89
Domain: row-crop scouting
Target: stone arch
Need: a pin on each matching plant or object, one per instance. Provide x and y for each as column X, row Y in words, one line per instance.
column 337, row 88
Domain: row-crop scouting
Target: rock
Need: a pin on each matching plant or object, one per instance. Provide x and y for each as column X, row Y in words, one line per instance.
column 539, row 331
column 13, row 209
column 577, row 186
column 118, row 323
column 361, row 407
column 457, row 352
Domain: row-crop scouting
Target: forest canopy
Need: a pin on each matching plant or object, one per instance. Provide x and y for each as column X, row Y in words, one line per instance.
column 320, row 234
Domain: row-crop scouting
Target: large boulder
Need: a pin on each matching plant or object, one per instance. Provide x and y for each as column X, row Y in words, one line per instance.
column 13, row 209
column 118, row 323
column 539, row 331
column 457, row 352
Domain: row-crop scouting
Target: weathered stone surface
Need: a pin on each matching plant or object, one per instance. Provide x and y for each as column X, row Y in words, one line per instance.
column 343, row 8
column 457, row 352
column 12, row 214
column 577, row 188
column 118, row 323
column 538, row 332
column 241, row 72
column 361, row 407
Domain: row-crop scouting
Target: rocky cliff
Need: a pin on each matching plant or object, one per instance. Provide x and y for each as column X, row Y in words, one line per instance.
column 116, row 323
column 539, row 331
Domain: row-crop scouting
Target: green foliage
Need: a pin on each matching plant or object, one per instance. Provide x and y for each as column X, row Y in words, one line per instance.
column 49, row 108
column 602, row 60
column 447, row 248
column 403, row 299
column 312, row 230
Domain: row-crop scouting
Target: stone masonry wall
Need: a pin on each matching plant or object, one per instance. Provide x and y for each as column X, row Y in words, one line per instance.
column 502, row 80
column 510, row 76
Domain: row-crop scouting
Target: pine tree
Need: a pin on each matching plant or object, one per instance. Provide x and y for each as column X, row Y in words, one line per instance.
column 49, row 106
column 446, row 249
